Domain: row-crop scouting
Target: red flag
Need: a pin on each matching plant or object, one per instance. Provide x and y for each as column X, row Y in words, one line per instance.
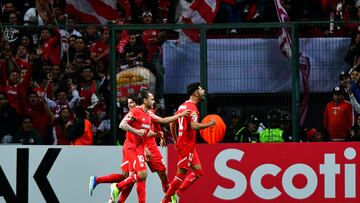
column 93, row 11
column 285, row 47
column 199, row 12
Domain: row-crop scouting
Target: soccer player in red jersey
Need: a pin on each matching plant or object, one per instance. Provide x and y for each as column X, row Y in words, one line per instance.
column 137, row 123
column 152, row 154
column 111, row 178
column 155, row 162
column 185, row 143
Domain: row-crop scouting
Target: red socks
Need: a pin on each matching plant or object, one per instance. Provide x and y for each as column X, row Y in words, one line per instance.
column 125, row 192
column 131, row 179
column 112, row 178
column 189, row 180
column 174, row 185
column 141, row 191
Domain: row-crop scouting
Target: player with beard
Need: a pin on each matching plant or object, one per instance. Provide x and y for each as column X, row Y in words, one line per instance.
column 185, row 143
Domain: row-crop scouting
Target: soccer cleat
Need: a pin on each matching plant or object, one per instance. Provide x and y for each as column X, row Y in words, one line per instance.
column 92, row 184
column 114, row 192
column 175, row 198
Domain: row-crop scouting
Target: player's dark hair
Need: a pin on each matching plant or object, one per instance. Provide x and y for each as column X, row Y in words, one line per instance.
column 135, row 98
column 190, row 89
column 143, row 94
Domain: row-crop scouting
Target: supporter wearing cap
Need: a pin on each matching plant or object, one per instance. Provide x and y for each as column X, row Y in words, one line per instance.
column 338, row 116
column 146, row 14
column 314, row 135
column 249, row 133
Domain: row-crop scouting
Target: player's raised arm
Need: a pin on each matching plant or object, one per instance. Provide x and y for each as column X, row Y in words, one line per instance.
column 124, row 124
column 199, row 126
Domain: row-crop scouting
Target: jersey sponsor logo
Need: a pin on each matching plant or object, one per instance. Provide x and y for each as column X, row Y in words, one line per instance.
column 146, row 126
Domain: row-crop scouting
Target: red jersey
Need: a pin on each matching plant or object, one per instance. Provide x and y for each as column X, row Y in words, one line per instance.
column 186, row 135
column 51, row 49
column 38, row 113
column 138, row 119
column 148, row 36
column 99, row 47
column 155, row 127
column 16, row 93
column 338, row 119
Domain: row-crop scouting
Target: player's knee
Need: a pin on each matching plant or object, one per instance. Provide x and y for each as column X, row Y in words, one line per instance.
column 142, row 175
column 198, row 173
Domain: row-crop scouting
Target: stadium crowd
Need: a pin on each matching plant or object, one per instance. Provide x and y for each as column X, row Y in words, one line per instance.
column 55, row 79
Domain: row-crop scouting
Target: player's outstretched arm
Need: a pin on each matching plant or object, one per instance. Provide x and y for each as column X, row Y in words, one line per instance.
column 199, row 126
column 125, row 126
column 155, row 134
column 170, row 119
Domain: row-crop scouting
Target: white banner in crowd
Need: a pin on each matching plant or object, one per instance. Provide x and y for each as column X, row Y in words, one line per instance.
column 252, row 65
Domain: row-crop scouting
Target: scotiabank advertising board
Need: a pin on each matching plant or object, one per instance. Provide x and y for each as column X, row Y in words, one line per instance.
column 275, row 173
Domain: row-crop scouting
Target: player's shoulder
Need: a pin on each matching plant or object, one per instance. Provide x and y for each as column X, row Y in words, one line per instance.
column 187, row 105
column 136, row 110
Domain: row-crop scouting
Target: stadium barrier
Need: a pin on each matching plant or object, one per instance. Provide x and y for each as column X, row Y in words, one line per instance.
column 273, row 173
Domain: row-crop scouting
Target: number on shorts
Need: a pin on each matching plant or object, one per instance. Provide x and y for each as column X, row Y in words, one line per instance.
column 141, row 158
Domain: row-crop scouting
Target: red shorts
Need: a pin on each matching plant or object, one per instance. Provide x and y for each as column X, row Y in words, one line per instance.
column 136, row 159
column 124, row 165
column 156, row 162
column 187, row 159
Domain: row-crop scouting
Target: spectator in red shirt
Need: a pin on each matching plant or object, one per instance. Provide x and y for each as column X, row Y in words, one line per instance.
column 153, row 40
column 338, row 116
column 50, row 45
column 91, row 35
column 99, row 50
column 88, row 86
column 37, row 108
column 22, row 58
column 16, row 90
column 60, row 130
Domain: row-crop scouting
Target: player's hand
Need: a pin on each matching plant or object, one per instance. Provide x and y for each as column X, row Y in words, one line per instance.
column 185, row 113
column 212, row 122
column 162, row 140
column 159, row 134
column 147, row 154
column 141, row 132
